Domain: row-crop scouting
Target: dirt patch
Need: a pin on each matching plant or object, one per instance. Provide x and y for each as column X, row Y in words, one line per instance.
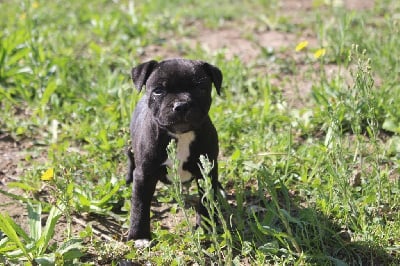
column 15, row 209
column 228, row 40
column 17, row 157
column 270, row 52
column 254, row 42
column 296, row 6
column 359, row 4
column 12, row 154
column 12, row 161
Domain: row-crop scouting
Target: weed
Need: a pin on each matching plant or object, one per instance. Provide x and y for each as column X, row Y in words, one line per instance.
column 34, row 248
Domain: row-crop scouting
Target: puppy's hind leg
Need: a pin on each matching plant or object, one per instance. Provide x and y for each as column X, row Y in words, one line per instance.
column 131, row 165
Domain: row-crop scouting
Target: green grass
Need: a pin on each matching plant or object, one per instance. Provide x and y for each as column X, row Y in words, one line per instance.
column 316, row 183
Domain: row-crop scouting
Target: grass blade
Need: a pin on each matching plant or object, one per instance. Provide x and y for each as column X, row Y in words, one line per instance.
column 107, row 197
column 71, row 249
column 12, row 230
column 35, row 224
column 48, row 231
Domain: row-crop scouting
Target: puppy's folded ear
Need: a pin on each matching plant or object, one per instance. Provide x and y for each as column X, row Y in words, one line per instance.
column 215, row 74
column 141, row 73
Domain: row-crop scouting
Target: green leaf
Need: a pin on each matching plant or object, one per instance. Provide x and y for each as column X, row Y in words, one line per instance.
column 72, row 254
column 391, row 125
column 20, row 232
column 11, row 229
column 337, row 262
column 46, row 260
column 70, row 189
column 13, row 196
column 19, row 54
column 394, row 145
column 50, row 89
column 73, row 243
column 6, row 245
column 289, row 217
column 108, row 196
column 21, row 185
column 83, row 200
column 35, row 225
column 48, row 231
column 235, row 155
column 3, row 240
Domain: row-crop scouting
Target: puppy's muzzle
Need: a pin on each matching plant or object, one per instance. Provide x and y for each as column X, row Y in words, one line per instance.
column 181, row 107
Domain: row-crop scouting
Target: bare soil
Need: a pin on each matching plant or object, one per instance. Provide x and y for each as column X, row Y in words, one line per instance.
column 12, row 164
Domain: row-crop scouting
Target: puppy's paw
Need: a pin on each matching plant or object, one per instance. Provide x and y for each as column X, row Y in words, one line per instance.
column 142, row 243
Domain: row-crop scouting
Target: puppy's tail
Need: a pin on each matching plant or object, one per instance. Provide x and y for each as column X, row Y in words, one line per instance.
column 131, row 165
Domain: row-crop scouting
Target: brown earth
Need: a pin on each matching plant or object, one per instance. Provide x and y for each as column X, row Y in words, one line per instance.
column 12, row 165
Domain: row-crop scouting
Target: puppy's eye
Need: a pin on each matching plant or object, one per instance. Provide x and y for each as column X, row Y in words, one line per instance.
column 158, row 91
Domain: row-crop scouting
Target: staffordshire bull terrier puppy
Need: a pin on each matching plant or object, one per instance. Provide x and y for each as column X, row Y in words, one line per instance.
column 175, row 106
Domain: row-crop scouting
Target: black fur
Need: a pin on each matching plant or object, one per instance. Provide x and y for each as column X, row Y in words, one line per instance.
column 177, row 101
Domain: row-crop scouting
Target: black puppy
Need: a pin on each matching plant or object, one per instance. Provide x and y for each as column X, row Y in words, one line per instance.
column 175, row 106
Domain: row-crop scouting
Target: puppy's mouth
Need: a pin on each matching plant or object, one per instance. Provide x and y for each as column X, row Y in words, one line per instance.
column 180, row 118
column 182, row 124
column 180, row 128
column 177, row 127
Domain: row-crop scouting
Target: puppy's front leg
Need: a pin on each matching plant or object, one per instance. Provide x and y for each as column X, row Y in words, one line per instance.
column 143, row 188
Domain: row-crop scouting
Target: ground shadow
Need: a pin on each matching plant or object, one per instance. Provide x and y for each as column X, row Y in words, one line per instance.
column 262, row 221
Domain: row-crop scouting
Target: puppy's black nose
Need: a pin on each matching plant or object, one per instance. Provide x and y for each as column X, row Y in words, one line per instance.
column 181, row 107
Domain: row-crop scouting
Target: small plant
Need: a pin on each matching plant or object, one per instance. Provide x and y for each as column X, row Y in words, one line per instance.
column 203, row 246
column 222, row 242
column 177, row 194
column 355, row 107
column 34, row 247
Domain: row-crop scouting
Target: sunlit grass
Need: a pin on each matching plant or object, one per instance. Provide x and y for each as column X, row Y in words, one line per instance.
column 317, row 183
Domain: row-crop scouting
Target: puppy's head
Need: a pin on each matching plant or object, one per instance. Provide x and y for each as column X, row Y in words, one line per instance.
column 178, row 91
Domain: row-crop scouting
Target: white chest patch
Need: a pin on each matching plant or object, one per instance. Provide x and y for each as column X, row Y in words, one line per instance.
column 182, row 154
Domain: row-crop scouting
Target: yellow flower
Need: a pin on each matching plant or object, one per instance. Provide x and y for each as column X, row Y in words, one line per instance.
column 319, row 53
column 48, row 175
column 22, row 16
column 35, row 5
column 301, row 45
